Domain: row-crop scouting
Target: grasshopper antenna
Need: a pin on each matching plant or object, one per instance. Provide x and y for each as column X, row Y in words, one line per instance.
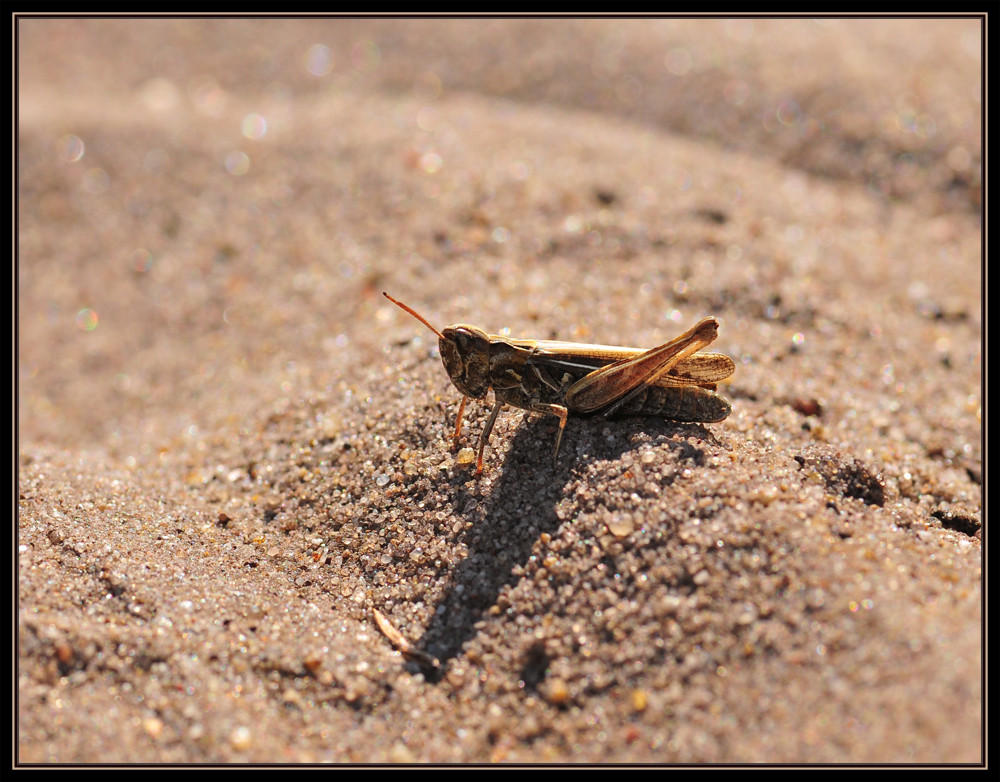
column 414, row 314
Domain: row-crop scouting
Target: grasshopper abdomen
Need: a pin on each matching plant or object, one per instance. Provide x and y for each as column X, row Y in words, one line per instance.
column 689, row 404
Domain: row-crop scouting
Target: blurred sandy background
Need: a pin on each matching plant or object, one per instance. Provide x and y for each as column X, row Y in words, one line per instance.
column 232, row 450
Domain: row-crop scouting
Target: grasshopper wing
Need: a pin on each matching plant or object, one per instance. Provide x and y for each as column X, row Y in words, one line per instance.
column 611, row 383
column 701, row 369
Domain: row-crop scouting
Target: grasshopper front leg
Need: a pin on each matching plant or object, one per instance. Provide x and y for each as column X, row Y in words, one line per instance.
column 536, row 407
column 485, row 437
column 458, row 422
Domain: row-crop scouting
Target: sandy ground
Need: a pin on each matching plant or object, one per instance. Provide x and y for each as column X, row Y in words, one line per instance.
column 233, row 452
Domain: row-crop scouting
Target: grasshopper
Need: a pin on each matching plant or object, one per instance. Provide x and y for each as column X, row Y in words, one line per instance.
column 673, row 381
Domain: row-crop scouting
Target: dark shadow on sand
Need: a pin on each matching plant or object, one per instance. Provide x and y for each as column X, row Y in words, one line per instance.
column 521, row 507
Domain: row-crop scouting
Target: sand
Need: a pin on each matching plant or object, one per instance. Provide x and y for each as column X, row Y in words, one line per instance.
column 234, row 453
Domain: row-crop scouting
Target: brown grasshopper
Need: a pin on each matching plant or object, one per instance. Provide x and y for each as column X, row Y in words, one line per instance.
column 672, row 381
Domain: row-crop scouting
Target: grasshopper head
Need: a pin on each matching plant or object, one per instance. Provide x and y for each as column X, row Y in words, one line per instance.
column 465, row 353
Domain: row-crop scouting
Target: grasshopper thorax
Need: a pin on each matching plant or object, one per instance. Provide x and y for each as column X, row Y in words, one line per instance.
column 465, row 353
